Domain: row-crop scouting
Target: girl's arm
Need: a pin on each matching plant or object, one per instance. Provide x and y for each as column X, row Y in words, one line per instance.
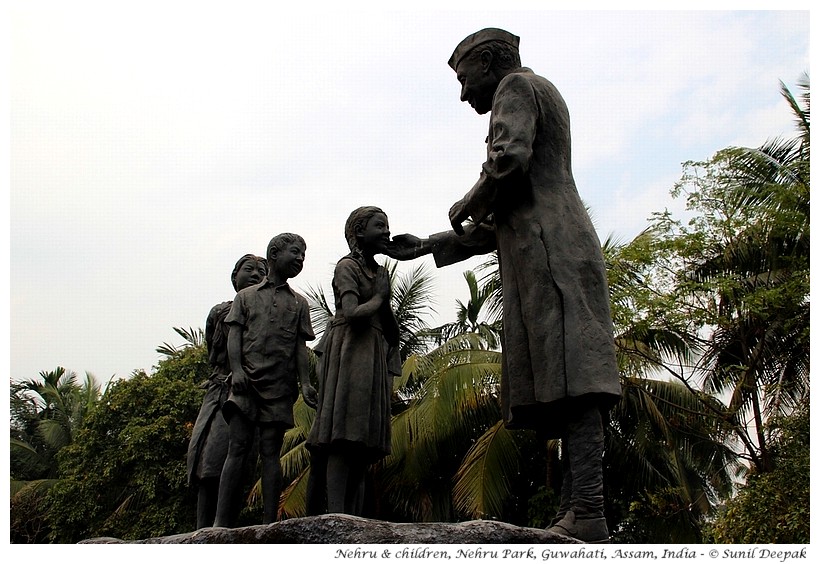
column 352, row 309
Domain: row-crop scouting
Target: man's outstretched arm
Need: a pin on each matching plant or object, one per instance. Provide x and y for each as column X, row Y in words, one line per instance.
column 447, row 247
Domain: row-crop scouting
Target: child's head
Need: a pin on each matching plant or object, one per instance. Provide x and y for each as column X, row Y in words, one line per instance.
column 249, row 270
column 286, row 254
column 357, row 222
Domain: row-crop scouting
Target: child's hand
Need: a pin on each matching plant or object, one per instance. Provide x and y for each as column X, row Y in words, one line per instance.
column 310, row 396
column 239, row 381
column 383, row 284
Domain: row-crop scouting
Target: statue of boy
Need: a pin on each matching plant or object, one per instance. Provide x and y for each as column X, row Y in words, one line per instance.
column 559, row 374
column 269, row 324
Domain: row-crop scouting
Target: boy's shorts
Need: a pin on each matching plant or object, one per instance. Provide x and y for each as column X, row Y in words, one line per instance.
column 278, row 411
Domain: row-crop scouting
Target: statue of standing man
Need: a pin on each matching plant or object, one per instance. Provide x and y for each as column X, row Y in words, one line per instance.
column 559, row 374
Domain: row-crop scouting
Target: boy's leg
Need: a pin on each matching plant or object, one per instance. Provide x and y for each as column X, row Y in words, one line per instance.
column 270, row 447
column 230, row 483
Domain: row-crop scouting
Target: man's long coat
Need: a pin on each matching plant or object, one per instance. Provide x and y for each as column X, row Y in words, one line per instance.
column 558, row 337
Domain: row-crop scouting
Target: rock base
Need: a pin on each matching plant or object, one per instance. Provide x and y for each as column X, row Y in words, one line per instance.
column 347, row 529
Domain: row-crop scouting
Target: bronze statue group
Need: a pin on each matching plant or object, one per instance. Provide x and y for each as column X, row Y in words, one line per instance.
column 559, row 374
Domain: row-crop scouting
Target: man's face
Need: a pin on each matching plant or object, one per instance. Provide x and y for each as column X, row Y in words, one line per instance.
column 478, row 83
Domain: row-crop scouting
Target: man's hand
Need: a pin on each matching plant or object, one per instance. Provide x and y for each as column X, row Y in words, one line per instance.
column 403, row 247
column 458, row 215
column 310, row 396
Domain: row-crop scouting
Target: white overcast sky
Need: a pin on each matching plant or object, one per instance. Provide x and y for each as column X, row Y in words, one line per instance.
column 154, row 144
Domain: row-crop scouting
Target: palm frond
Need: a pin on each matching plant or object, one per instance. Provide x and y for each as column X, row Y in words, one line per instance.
column 193, row 338
column 483, row 482
column 293, row 502
column 320, row 309
column 20, row 488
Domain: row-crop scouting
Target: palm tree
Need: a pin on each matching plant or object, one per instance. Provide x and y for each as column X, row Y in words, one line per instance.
column 477, row 315
column 193, row 338
column 55, row 408
column 756, row 266
column 452, row 456
column 727, row 300
column 62, row 405
column 673, row 434
column 453, row 402
column 666, row 457
column 664, row 431
column 411, row 303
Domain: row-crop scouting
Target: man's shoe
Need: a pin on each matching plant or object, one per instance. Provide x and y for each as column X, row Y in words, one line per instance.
column 587, row 530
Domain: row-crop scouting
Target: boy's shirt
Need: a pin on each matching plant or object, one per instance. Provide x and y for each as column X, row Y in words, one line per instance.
column 272, row 318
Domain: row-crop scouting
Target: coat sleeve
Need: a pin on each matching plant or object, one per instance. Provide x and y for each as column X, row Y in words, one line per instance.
column 449, row 248
column 513, row 125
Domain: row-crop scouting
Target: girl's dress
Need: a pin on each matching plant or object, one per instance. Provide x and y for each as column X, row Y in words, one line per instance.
column 209, row 439
column 353, row 414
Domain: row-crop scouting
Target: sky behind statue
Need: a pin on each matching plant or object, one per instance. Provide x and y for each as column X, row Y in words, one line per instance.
column 151, row 144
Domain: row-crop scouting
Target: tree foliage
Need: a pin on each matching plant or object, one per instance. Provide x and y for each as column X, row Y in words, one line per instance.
column 46, row 414
column 737, row 281
column 125, row 474
column 773, row 507
column 477, row 315
column 725, row 299
column 452, row 400
column 666, row 466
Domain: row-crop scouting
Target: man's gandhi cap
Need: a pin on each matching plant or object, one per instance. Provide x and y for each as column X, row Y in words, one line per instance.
column 472, row 41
